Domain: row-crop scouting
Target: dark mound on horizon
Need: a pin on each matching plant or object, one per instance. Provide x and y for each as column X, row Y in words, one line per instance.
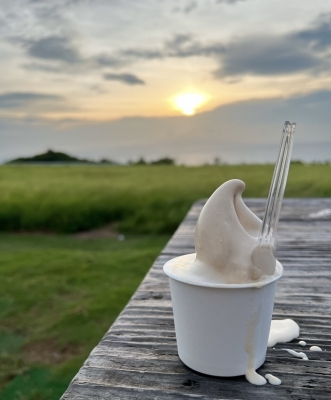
column 55, row 157
column 49, row 156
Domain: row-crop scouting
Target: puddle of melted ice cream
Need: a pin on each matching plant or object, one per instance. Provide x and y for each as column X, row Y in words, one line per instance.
column 283, row 331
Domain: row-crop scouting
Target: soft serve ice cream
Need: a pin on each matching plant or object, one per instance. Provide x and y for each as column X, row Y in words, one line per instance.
column 226, row 239
column 223, row 294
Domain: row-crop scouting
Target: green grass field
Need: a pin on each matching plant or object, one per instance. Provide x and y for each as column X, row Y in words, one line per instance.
column 143, row 199
column 58, row 297
column 59, row 293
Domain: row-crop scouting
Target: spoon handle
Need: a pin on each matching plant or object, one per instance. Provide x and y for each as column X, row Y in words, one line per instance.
column 270, row 221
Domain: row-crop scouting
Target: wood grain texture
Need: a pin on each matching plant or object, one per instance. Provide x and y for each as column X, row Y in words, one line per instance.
column 137, row 358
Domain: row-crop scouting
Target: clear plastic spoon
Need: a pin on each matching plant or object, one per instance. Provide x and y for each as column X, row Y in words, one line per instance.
column 263, row 255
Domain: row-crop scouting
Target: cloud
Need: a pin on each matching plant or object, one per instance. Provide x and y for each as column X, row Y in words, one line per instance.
column 267, row 56
column 228, row 1
column 58, row 52
column 190, row 7
column 319, row 36
column 105, row 60
column 183, row 46
column 179, row 46
column 62, row 50
column 178, row 40
column 305, row 50
column 128, row 79
column 34, row 66
column 19, row 99
column 52, row 48
column 143, row 54
column 59, row 2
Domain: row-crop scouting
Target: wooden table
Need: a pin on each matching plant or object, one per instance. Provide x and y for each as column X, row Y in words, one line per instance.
column 137, row 358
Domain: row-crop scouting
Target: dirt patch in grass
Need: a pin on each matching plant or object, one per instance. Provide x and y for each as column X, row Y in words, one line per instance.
column 48, row 352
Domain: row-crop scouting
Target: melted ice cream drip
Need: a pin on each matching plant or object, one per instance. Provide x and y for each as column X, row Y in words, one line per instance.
column 302, row 343
column 226, row 236
column 273, row 380
column 315, row 348
column 283, row 331
column 297, row 354
column 251, row 375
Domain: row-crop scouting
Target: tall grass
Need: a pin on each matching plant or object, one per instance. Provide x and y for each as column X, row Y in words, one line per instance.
column 142, row 199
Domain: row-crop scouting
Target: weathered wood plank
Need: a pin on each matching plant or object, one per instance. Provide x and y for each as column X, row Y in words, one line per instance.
column 137, row 358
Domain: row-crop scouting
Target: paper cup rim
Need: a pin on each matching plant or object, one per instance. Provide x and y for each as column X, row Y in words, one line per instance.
column 168, row 269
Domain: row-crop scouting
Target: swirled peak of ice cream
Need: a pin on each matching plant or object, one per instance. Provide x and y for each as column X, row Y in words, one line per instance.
column 226, row 240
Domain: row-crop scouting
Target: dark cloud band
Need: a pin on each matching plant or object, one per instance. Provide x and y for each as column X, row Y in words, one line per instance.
column 19, row 99
column 128, row 79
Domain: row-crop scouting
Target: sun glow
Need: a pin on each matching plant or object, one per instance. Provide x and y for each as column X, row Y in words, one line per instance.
column 187, row 103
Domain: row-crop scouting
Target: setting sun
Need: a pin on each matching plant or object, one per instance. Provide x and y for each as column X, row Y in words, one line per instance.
column 187, row 103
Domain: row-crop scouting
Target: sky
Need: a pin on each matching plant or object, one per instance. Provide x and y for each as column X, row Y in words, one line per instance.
column 115, row 78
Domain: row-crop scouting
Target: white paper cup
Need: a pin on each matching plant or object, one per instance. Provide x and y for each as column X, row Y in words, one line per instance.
column 219, row 327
